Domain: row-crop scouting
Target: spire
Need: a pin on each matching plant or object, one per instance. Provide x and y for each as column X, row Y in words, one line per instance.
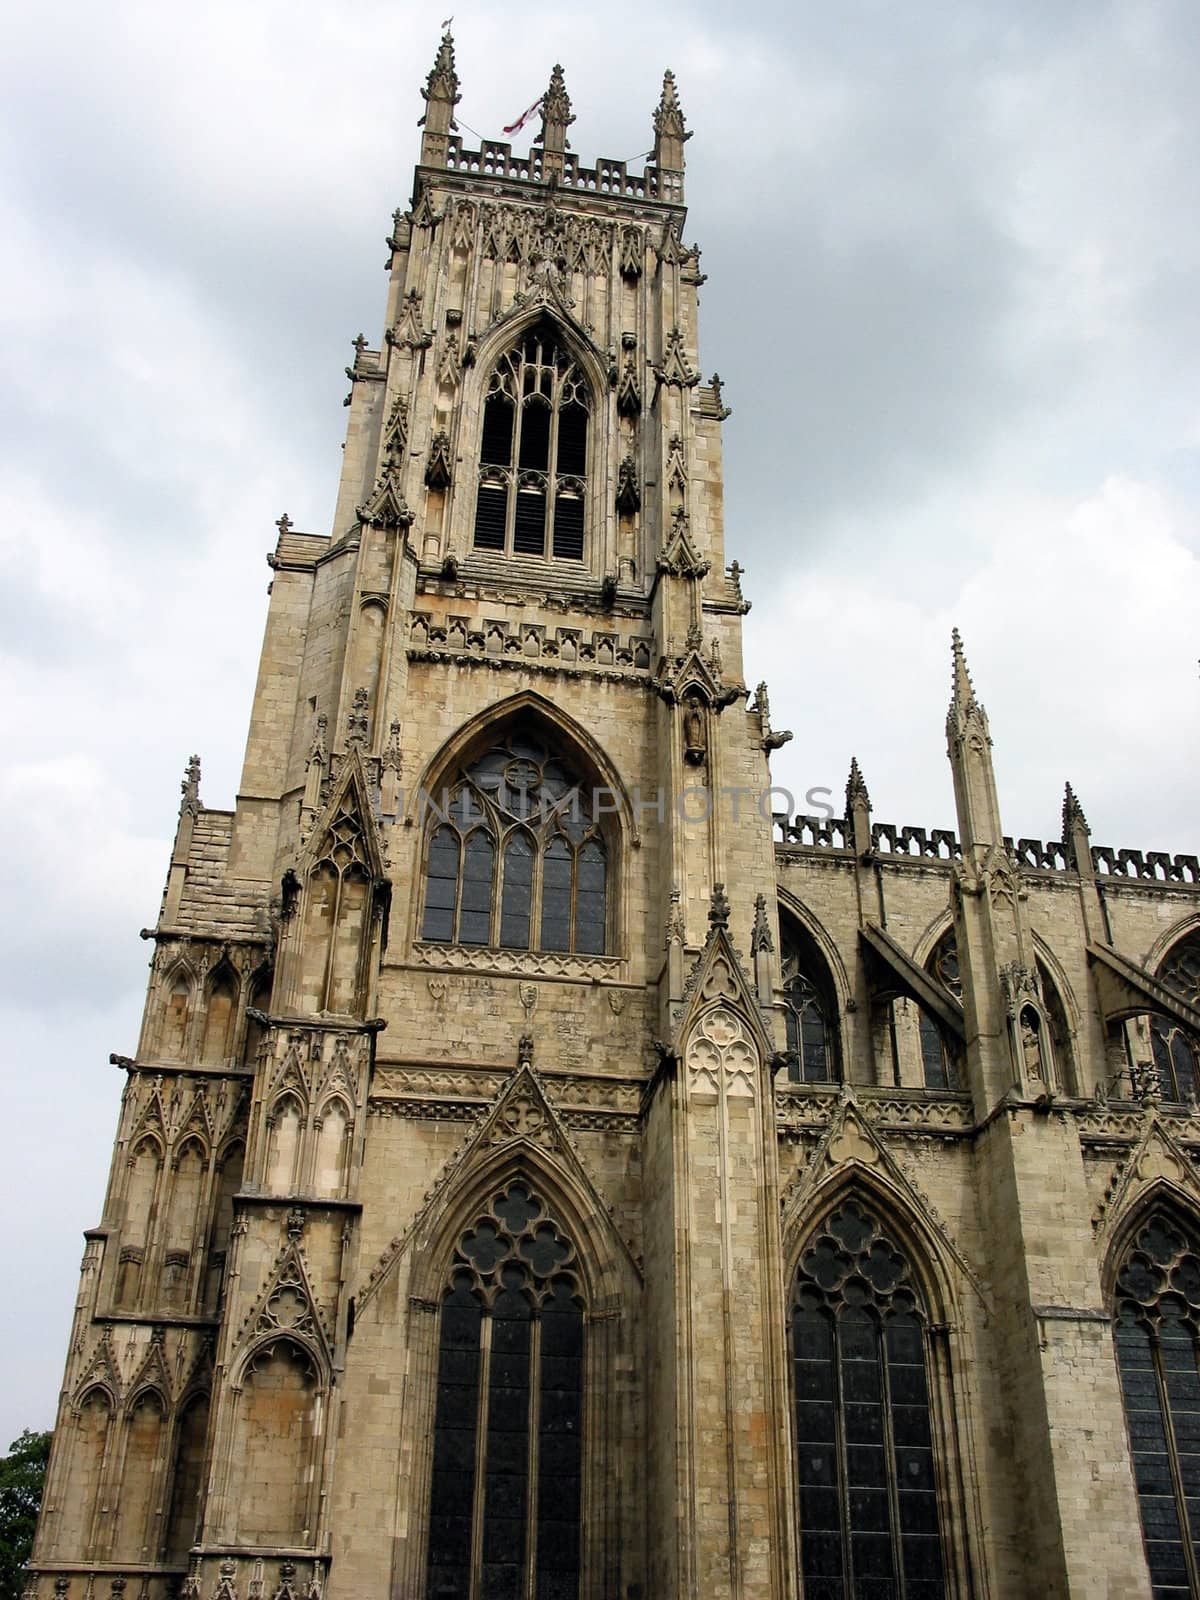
column 440, row 95
column 856, row 788
column 969, row 745
column 1072, row 814
column 669, row 130
column 858, row 810
column 556, row 119
column 1076, row 836
column 962, row 689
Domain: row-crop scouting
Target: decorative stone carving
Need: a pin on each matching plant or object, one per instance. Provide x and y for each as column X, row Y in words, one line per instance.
column 721, row 1058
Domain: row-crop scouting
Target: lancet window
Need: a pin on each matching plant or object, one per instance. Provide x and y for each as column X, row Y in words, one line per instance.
column 533, row 452
column 504, row 1515
column 936, row 1057
column 809, row 1013
column 1176, row 1051
column 1158, row 1338
column 516, row 858
column 868, row 1507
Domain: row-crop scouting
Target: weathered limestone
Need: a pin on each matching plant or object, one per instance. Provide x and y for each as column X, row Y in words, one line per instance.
column 700, row 1132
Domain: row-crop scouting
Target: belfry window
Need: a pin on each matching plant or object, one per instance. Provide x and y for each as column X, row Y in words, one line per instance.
column 1176, row 1051
column 809, row 1013
column 533, row 452
column 516, row 859
column 869, row 1523
column 504, row 1512
column 1158, row 1337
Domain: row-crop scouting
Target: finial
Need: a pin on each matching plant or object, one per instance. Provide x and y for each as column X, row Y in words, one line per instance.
column 718, row 911
column 190, row 787
column 962, row 690
column 442, row 83
column 1072, row 814
column 761, row 937
column 856, row 788
column 440, row 95
column 556, row 117
column 670, row 133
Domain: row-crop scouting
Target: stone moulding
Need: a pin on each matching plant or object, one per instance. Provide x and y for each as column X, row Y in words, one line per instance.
column 525, row 963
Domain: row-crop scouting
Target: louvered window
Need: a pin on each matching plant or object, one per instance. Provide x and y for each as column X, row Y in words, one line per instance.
column 533, row 453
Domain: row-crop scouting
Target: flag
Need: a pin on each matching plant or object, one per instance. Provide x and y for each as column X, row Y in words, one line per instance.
column 515, row 127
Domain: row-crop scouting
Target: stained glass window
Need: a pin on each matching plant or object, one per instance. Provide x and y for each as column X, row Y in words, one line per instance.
column 869, row 1523
column 1157, row 1323
column 936, row 1057
column 533, row 452
column 504, row 1513
column 515, row 858
column 1176, row 1052
column 809, row 1014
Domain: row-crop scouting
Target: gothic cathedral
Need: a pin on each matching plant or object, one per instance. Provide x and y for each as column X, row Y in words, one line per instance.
column 545, row 1174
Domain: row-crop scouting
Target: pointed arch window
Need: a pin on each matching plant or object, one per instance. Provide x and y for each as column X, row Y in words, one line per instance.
column 1157, row 1333
column 504, row 1511
column 533, row 452
column 868, row 1503
column 1176, row 1050
column 939, row 1061
column 516, row 857
column 810, row 1012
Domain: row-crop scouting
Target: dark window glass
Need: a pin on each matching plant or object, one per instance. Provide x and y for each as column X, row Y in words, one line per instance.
column 520, row 804
column 590, row 908
column 535, row 436
column 495, row 448
column 441, row 888
column 572, row 439
column 556, row 896
column 809, row 1045
column 511, row 1324
column 475, row 914
column 867, row 1493
column 1157, row 1312
column 518, row 889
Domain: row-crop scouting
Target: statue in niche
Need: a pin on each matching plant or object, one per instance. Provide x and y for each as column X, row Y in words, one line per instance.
column 1031, row 1043
column 694, row 745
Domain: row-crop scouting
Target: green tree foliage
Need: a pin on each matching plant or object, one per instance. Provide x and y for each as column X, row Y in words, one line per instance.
column 22, row 1474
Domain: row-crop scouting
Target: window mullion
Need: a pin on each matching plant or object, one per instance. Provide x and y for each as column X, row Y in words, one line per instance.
column 535, row 1418
column 1181, row 1510
column 574, row 894
column 843, row 1479
column 535, row 890
column 889, row 1445
column 481, row 1427
column 552, row 463
column 510, row 514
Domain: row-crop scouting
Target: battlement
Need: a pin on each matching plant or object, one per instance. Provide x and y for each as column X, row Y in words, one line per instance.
column 494, row 159
column 942, row 844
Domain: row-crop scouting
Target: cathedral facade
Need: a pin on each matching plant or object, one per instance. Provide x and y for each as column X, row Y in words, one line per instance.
column 546, row 1174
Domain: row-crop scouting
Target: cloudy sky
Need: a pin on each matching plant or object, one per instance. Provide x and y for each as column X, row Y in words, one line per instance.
column 952, row 253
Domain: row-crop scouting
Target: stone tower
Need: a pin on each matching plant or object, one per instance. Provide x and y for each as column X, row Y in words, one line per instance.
column 483, row 1224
